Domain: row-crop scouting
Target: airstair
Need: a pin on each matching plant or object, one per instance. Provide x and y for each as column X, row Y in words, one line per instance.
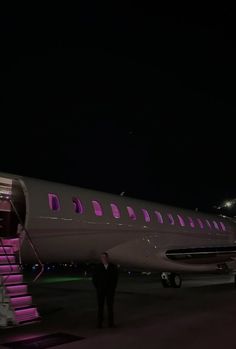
column 16, row 306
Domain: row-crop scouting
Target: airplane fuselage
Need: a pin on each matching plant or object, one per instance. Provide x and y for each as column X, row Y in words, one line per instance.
column 68, row 223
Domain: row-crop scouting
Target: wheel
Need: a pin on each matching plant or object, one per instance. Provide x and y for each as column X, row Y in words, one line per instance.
column 165, row 280
column 165, row 283
column 175, row 280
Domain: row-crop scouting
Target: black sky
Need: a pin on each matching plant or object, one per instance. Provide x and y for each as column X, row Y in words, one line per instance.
column 129, row 98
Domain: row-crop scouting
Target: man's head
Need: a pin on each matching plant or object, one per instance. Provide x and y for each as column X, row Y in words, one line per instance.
column 105, row 258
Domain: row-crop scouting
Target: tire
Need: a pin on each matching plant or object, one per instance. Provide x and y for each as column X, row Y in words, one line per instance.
column 175, row 280
column 165, row 283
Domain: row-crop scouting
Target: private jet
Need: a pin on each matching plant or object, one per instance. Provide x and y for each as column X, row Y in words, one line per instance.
column 47, row 222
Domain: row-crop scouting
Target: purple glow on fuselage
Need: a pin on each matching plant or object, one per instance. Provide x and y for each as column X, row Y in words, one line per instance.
column 131, row 213
column 54, row 204
column 115, row 211
column 146, row 215
column 181, row 220
column 97, row 208
column 53, row 201
column 159, row 217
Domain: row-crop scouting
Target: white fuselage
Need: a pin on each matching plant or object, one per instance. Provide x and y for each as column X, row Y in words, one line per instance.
column 67, row 223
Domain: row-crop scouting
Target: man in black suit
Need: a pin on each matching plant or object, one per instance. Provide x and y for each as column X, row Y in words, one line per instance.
column 105, row 277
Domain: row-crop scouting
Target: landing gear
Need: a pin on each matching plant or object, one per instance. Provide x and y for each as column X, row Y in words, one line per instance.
column 165, row 280
column 171, row 280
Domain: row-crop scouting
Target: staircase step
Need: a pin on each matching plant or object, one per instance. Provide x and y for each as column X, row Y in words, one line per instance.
column 15, row 293
column 13, row 242
column 26, row 314
column 9, row 259
column 16, row 290
column 11, row 279
column 23, row 301
column 29, row 322
column 6, row 250
column 9, row 269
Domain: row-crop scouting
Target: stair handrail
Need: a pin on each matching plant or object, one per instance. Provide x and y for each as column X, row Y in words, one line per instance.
column 34, row 248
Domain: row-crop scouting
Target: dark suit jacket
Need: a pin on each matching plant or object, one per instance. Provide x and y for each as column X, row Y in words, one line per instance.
column 105, row 280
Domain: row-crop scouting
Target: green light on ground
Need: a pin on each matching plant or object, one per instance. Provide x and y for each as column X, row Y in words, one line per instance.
column 53, row 280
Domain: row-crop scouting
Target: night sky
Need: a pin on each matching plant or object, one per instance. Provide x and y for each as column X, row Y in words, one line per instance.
column 130, row 98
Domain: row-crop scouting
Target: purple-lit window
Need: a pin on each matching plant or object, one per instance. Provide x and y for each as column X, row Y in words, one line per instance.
column 171, row 219
column 216, row 225
column 159, row 217
column 191, row 222
column 131, row 213
column 222, row 226
column 78, row 208
column 200, row 223
column 115, row 211
column 97, row 208
column 146, row 215
column 54, row 202
column 208, row 224
column 181, row 221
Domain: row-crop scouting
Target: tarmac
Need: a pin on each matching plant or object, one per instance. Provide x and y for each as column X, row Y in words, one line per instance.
column 200, row 314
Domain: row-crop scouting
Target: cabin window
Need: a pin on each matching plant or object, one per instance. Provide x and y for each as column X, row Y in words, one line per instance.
column 208, row 224
column 97, row 208
column 115, row 211
column 200, row 223
column 191, row 222
column 222, row 226
column 54, row 202
column 146, row 215
column 181, row 220
column 159, row 217
column 78, row 208
column 171, row 219
column 131, row 213
column 216, row 225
